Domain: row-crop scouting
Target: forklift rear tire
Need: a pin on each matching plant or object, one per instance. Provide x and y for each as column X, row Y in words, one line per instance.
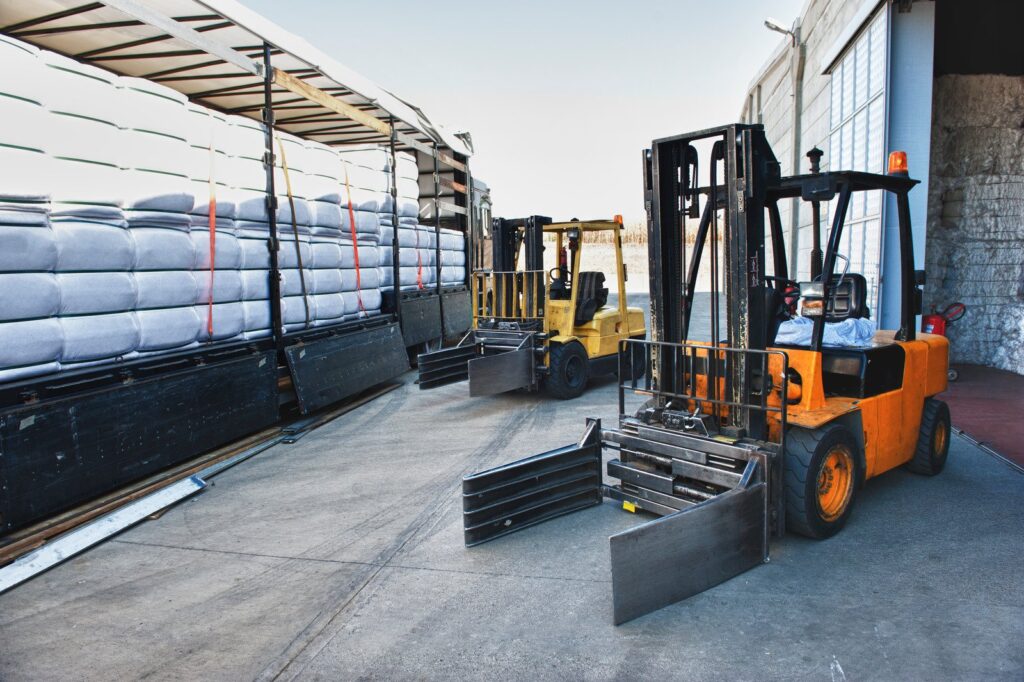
column 569, row 370
column 932, row 440
column 639, row 362
column 822, row 476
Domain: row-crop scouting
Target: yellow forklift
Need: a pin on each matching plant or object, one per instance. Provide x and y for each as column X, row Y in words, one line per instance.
column 774, row 414
column 536, row 327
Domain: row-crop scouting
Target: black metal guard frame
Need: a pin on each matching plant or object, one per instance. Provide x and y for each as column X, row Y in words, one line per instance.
column 273, row 244
column 396, row 272
column 687, row 358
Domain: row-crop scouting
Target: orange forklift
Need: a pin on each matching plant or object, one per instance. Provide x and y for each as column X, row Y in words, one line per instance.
column 774, row 415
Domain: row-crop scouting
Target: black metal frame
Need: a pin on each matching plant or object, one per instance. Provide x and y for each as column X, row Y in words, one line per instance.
column 818, row 187
column 674, row 195
column 273, row 243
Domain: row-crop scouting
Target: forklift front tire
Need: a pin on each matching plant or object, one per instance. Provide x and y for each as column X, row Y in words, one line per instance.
column 822, row 476
column 932, row 440
column 568, row 370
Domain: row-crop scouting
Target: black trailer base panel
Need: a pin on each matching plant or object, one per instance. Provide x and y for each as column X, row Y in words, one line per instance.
column 457, row 310
column 421, row 318
column 61, row 452
column 338, row 367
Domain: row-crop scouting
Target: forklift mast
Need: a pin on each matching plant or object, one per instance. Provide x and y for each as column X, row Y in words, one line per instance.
column 510, row 234
column 731, row 207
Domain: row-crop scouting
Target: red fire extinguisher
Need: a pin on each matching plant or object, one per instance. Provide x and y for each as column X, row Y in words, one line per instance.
column 937, row 322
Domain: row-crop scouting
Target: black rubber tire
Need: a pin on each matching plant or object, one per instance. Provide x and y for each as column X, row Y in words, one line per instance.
column 639, row 368
column 569, row 370
column 931, row 453
column 806, row 450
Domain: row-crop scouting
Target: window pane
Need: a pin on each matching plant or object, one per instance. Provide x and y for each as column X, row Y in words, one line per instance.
column 876, row 130
column 848, row 69
column 846, row 152
column 877, row 41
column 861, row 79
column 836, row 82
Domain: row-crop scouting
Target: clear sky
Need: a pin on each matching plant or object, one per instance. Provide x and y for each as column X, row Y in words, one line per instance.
column 560, row 96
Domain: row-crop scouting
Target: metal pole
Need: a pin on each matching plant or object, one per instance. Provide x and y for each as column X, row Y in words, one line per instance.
column 396, row 273
column 815, row 156
column 437, row 236
column 471, row 226
column 276, row 323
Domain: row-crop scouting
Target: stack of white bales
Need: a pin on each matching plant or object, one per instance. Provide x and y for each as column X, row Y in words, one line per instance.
column 75, row 305
column 295, row 259
column 365, row 195
column 172, row 246
column 31, row 339
column 453, row 257
column 106, row 246
column 416, row 243
column 361, row 195
column 341, row 291
column 220, row 285
column 453, row 251
column 244, row 142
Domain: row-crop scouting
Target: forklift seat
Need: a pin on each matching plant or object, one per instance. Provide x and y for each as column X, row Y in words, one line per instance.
column 850, row 299
column 591, row 295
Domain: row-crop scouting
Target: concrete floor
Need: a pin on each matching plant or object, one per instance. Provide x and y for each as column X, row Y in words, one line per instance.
column 341, row 557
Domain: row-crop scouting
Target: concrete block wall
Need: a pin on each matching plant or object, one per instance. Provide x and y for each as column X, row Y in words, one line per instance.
column 975, row 249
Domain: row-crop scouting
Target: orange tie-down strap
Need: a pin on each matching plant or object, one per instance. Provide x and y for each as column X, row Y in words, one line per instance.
column 355, row 244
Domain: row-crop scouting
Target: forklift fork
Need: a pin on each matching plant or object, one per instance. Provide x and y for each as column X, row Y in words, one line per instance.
column 718, row 497
column 493, row 361
column 692, row 546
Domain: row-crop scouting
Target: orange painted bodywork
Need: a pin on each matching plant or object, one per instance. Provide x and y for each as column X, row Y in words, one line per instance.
column 891, row 420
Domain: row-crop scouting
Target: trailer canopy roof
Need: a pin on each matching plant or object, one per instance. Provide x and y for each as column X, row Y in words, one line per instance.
column 212, row 51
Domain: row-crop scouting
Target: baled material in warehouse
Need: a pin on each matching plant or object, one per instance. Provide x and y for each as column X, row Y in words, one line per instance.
column 133, row 222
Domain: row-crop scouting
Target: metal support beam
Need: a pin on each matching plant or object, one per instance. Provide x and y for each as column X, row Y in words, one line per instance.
column 300, row 87
column 437, row 228
column 396, row 271
column 410, row 141
column 188, row 35
column 276, row 320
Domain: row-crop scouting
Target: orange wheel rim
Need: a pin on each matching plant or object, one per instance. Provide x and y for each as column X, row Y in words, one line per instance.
column 941, row 436
column 835, row 483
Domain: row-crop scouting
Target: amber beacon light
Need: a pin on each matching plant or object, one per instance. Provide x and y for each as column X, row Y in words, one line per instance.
column 898, row 163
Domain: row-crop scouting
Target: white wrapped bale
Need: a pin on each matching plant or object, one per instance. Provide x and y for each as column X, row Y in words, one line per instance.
column 88, row 338
column 89, row 246
column 90, row 293
column 165, row 329
column 28, row 295
column 85, row 140
column 27, row 249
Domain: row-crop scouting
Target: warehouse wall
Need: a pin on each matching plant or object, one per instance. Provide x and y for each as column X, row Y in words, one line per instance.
column 822, row 23
column 976, row 215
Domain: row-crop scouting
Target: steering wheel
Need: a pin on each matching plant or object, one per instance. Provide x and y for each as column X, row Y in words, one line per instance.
column 781, row 280
column 552, row 271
